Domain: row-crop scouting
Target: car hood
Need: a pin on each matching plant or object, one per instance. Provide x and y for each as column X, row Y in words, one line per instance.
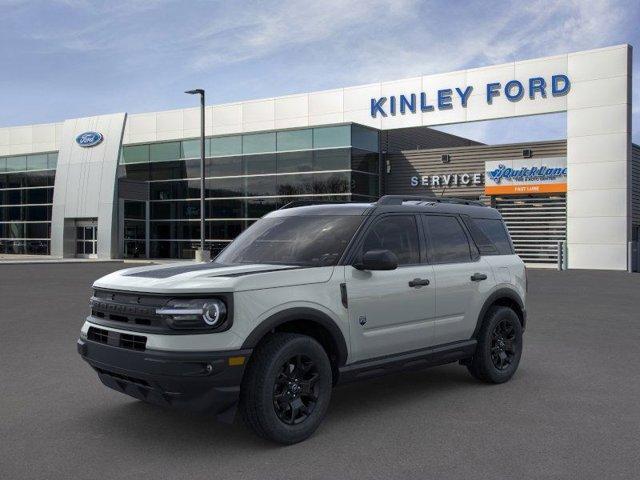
column 211, row 277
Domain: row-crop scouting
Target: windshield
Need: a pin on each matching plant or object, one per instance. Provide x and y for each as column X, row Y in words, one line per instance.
column 313, row 241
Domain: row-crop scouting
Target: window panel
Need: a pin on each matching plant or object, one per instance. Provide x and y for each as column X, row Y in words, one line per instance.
column 39, row 213
column 134, row 249
column 223, row 166
column 175, row 190
column 15, row 230
column 364, row 184
column 226, row 208
column 295, row 162
column 168, row 170
column 295, row 139
column 16, row 164
column 398, row 234
column 261, row 186
column 163, row 152
column 365, row 161
column 326, row 137
column 37, row 162
column 225, row 187
column 224, row 230
column 364, row 138
column 39, row 179
column 39, row 195
column 52, row 160
column 191, row 148
column 138, row 171
column 447, row 241
column 134, row 209
column 134, row 230
column 225, row 146
column 3, row 164
column 260, row 164
column 331, row 183
column 339, row 159
column 259, row 143
column 135, row 154
column 37, row 247
column 37, row 230
column 296, row 184
column 258, row 207
column 177, row 230
column 175, row 210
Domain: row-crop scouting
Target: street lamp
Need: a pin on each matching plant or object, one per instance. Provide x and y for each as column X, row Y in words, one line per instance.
column 201, row 256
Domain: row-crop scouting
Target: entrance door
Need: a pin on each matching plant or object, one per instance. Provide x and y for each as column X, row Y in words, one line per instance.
column 87, row 239
column 389, row 311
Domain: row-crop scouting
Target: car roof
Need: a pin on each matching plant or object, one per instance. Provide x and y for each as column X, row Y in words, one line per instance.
column 393, row 204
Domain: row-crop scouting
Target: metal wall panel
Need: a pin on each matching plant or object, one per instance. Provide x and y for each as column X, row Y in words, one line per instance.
column 536, row 224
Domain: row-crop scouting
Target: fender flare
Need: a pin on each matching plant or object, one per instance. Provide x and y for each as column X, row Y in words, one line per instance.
column 495, row 296
column 297, row 314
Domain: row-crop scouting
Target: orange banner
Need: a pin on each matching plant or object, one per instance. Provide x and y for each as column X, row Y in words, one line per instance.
column 517, row 189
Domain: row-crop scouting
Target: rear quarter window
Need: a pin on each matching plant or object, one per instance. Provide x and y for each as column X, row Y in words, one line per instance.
column 490, row 235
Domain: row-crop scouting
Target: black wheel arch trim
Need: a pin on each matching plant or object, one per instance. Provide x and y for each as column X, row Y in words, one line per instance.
column 300, row 314
column 496, row 296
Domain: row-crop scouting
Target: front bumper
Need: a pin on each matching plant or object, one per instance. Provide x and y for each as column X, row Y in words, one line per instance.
column 199, row 381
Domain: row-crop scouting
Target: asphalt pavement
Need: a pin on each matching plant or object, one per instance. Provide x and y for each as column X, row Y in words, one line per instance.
column 572, row 411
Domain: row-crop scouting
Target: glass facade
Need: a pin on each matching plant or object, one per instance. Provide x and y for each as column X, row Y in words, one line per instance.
column 247, row 176
column 26, row 196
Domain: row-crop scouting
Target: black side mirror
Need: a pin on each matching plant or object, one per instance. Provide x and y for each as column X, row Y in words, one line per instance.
column 378, row 260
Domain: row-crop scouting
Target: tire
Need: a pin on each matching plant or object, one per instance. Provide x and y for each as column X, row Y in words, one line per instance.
column 286, row 390
column 499, row 348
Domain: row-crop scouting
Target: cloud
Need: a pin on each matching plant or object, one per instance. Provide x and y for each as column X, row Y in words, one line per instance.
column 253, row 49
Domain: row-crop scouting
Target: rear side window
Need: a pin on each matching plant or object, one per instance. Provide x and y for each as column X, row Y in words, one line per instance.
column 397, row 233
column 490, row 235
column 447, row 241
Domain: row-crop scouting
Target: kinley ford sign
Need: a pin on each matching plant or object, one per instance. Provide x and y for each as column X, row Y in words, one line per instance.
column 504, row 177
column 447, row 98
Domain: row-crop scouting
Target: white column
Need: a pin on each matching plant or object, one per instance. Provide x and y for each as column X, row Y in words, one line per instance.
column 599, row 158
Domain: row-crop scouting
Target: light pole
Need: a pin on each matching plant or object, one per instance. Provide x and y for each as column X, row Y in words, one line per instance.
column 201, row 256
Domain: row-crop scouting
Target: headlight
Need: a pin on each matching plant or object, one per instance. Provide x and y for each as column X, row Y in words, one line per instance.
column 194, row 314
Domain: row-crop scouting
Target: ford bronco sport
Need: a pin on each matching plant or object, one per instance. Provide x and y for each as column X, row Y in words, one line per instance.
column 309, row 297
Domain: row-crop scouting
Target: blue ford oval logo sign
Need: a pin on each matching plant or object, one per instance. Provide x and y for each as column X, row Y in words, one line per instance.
column 89, row 139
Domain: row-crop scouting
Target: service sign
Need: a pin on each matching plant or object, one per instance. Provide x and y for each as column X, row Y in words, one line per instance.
column 523, row 176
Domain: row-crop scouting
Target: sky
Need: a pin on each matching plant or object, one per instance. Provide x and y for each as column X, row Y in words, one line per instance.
column 73, row 58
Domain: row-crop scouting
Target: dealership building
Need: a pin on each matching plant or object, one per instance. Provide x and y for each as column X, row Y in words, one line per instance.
column 128, row 185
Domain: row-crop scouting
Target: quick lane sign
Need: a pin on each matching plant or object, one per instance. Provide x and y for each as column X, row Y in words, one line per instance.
column 448, row 98
column 543, row 175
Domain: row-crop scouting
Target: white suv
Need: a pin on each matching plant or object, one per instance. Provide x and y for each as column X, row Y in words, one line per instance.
column 308, row 297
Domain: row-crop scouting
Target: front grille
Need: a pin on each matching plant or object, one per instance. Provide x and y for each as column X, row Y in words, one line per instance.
column 130, row 309
column 133, row 342
column 98, row 335
column 117, row 339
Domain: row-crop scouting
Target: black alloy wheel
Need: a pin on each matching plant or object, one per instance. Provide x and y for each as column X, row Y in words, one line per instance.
column 286, row 388
column 295, row 392
column 502, row 344
column 499, row 346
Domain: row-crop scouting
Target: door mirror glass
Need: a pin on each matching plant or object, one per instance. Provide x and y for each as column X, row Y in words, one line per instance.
column 378, row 260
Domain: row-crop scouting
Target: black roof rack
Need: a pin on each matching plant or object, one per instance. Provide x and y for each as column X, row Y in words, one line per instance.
column 306, row 203
column 400, row 199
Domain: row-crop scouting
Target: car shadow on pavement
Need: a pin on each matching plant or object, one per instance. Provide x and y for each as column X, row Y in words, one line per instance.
column 136, row 422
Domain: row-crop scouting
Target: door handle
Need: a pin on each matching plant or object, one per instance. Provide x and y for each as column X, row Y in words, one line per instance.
column 418, row 282
column 477, row 277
